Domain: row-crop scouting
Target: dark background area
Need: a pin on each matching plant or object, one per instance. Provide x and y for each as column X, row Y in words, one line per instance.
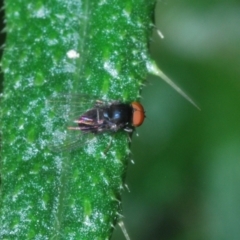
column 185, row 183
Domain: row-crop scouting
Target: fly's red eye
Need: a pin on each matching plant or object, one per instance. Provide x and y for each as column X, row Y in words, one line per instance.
column 138, row 114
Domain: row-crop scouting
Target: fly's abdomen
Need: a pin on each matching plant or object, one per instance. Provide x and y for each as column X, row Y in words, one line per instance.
column 91, row 121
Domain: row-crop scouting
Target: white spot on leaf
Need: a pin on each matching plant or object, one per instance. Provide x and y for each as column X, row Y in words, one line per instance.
column 73, row 54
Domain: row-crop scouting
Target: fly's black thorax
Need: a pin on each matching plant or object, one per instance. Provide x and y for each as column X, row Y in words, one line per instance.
column 118, row 116
column 108, row 118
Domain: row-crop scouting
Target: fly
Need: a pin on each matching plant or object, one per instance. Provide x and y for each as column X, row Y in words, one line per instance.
column 85, row 115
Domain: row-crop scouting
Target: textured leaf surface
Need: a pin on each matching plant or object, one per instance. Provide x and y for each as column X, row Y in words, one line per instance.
column 93, row 47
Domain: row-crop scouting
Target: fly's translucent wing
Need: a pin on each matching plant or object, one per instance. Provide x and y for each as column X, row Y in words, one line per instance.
column 65, row 111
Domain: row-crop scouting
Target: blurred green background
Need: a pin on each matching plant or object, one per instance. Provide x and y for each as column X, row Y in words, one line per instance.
column 185, row 183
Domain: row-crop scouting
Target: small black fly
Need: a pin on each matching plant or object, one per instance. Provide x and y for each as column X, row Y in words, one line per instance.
column 85, row 115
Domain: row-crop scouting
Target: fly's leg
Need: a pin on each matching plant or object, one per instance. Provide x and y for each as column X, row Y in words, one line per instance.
column 128, row 129
column 108, row 147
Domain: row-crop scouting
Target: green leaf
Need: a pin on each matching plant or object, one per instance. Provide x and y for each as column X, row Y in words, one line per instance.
column 97, row 48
